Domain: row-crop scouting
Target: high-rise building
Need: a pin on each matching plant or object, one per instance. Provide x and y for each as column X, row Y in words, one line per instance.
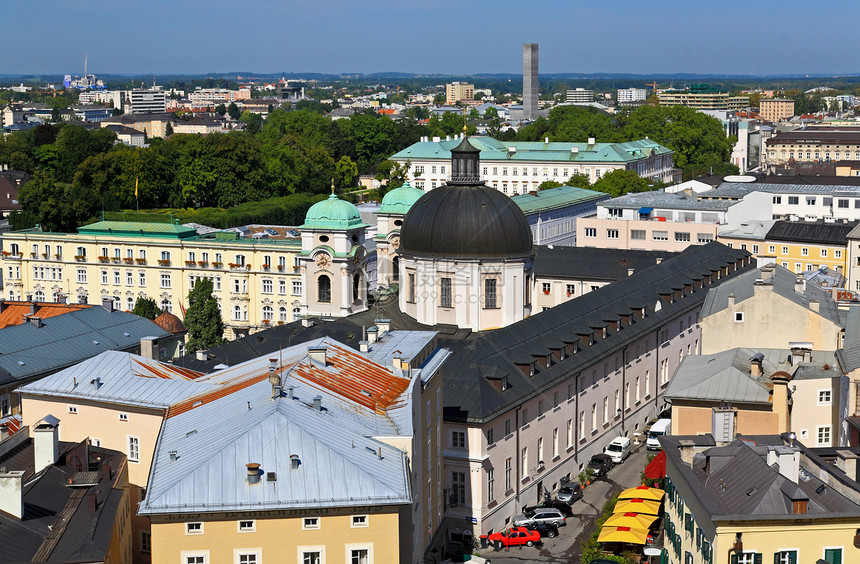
column 148, row 101
column 530, row 81
column 776, row 109
column 459, row 91
column 580, row 96
column 632, row 95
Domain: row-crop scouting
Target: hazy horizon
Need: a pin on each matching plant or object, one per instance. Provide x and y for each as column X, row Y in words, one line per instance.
column 192, row 37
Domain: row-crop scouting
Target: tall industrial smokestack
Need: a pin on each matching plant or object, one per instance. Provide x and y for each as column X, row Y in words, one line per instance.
column 530, row 81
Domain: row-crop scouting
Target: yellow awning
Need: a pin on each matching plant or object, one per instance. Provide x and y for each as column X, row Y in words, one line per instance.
column 623, row 534
column 643, row 492
column 638, row 505
column 635, row 520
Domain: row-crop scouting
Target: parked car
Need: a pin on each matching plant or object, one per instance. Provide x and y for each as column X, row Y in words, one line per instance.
column 569, row 493
column 553, row 503
column 540, row 515
column 618, row 449
column 547, row 530
column 600, row 464
column 516, row 536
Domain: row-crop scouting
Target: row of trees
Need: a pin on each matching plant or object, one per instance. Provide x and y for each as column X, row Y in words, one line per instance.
column 79, row 173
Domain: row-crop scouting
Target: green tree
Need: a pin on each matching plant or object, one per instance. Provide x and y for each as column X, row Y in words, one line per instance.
column 549, row 184
column 620, row 182
column 579, row 180
column 233, row 111
column 146, row 307
column 203, row 320
column 253, row 122
column 221, row 109
column 168, row 130
column 345, row 172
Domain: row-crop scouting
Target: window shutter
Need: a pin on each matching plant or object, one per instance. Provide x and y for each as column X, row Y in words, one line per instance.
column 793, row 555
column 757, row 558
column 734, row 559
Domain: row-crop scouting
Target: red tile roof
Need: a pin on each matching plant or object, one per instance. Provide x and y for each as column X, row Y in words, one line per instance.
column 13, row 423
column 12, row 313
column 170, row 323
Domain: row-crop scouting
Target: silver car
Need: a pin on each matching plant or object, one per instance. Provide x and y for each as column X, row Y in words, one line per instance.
column 540, row 515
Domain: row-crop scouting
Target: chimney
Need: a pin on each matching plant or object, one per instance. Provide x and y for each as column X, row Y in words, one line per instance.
column 847, row 462
column 45, row 439
column 732, row 300
column 317, row 403
column 32, row 308
column 253, row 472
column 396, row 363
column 202, row 355
column 35, row 321
column 363, row 346
column 814, row 305
column 780, row 400
column 295, row 462
column 307, row 322
column 92, row 499
column 384, row 326
column 11, row 495
column 372, row 334
column 107, row 303
column 149, row 347
column 755, row 365
column 799, row 285
column 592, row 140
column 318, row 354
column 290, row 392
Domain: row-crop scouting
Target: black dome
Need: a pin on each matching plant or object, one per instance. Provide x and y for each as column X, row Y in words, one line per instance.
column 462, row 220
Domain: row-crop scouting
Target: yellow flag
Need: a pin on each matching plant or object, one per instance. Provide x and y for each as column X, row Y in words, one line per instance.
column 135, row 187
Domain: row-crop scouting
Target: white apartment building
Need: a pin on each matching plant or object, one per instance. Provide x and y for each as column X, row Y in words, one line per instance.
column 521, row 167
column 632, row 95
column 219, row 95
column 148, row 101
column 579, row 96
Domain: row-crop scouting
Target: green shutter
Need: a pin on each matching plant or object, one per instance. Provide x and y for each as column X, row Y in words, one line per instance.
column 757, row 558
column 734, row 559
column 793, row 557
column 776, row 558
column 833, row 555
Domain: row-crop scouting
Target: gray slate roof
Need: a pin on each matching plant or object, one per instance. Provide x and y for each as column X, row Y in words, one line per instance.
column 816, row 232
column 782, row 283
column 661, row 199
column 27, row 352
column 724, row 376
column 592, row 264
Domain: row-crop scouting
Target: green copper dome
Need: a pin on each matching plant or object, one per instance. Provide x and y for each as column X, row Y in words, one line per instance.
column 333, row 213
column 400, row 199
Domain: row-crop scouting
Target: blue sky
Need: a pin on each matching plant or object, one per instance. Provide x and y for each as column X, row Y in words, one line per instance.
column 440, row 36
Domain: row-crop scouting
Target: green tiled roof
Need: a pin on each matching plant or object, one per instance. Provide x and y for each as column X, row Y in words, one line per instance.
column 553, row 198
column 138, row 229
column 537, row 151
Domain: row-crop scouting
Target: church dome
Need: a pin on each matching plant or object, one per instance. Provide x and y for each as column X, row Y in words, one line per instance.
column 465, row 218
column 170, row 323
column 400, row 200
column 333, row 213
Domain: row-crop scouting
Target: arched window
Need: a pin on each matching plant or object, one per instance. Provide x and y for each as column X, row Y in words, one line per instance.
column 297, row 311
column 395, row 266
column 237, row 313
column 117, row 303
column 130, row 302
column 39, row 296
column 82, row 299
column 324, row 289
column 282, row 314
column 268, row 313
column 166, row 306
column 356, row 287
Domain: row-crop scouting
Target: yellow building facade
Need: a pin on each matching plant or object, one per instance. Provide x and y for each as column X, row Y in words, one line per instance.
column 796, row 257
column 257, row 282
column 368, row 535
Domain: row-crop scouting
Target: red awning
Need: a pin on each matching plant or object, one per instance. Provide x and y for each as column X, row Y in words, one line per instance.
column 656, row 468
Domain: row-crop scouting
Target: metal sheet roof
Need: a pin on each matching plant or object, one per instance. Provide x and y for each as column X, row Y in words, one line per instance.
column 27, row 351
column 213, row 443
column 718, row 377
column 121, row 378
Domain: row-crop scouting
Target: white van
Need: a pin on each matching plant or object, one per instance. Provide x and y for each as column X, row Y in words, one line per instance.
column 659, row 428
column 618, row 449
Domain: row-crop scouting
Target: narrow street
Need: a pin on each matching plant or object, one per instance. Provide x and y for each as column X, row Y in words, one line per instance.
column 566, row 547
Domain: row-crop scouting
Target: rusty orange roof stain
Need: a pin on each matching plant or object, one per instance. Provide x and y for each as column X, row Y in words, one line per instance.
column 165, row 371
column 13, row 313
column 208, row 397
column 349, row 374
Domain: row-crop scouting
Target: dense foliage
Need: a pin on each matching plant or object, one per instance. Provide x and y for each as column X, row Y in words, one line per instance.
column 203, row 319
column 699, row 141
column 292, row 156
column 146, row 307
